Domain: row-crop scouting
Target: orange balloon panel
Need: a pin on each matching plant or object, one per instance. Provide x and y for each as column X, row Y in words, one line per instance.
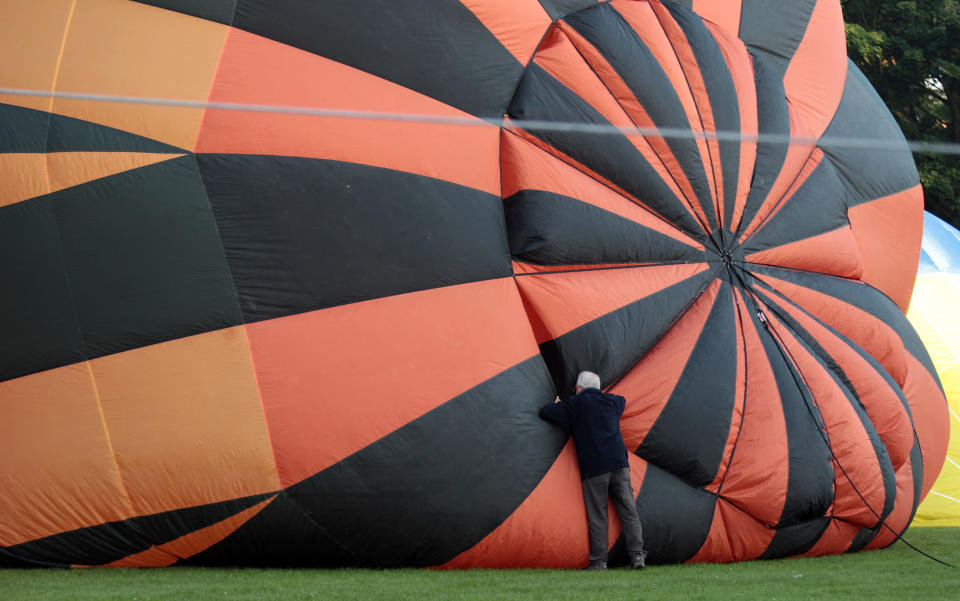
column 63, row 475
column 195, row 402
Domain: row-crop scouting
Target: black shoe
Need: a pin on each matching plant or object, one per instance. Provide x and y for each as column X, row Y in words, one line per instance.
column 638, row 561
column 599, row 564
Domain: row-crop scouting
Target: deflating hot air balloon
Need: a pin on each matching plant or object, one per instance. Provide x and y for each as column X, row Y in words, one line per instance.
column 285, row 283
column 933, row 313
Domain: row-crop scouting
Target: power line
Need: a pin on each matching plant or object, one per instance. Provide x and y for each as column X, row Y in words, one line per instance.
column 860, row 143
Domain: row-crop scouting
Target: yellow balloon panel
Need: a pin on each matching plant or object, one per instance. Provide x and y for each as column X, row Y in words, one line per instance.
column 935, row 313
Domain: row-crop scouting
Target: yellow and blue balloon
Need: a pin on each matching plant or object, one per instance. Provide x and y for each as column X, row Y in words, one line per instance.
column 933, row 312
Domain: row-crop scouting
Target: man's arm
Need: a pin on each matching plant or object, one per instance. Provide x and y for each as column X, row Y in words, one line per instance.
column 557, row 412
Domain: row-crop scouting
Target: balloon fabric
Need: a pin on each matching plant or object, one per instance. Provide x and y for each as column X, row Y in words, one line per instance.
column 933, row 314
column 285, row 283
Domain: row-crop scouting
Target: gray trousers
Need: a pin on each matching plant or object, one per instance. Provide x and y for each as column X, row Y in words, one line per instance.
column 616, row 486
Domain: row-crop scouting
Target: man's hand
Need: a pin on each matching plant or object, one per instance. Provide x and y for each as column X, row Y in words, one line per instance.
column 556, row 400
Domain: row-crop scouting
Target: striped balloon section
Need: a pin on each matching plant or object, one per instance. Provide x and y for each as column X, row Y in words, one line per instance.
column 300, row 307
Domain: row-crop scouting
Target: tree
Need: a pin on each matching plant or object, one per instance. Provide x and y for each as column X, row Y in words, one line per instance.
column 908, row 50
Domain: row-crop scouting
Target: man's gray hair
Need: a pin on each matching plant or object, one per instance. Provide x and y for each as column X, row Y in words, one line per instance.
column 588, row 379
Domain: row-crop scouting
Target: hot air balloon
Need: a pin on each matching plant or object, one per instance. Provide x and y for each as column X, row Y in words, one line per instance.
column 932, row 313
column 286, row 282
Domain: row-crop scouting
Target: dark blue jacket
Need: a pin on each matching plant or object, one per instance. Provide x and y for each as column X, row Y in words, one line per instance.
column 593, row 418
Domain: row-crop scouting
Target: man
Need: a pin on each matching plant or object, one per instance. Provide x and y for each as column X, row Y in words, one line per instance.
column 593, row 418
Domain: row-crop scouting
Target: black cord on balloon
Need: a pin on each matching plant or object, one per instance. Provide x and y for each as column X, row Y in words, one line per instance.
column 804, row 389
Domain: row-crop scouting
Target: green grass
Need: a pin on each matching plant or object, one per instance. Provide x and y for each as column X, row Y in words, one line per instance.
column 897, row 573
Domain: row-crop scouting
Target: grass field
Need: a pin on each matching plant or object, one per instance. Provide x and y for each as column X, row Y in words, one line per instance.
column 897, row 573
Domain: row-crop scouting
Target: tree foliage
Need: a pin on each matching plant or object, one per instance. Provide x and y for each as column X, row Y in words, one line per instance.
column 908, row 49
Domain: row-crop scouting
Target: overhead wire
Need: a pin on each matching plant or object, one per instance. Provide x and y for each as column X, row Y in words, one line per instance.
column 850, row 142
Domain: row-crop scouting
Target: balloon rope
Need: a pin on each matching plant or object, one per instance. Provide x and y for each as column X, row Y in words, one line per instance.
column 743, row 410
column 794, row 367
